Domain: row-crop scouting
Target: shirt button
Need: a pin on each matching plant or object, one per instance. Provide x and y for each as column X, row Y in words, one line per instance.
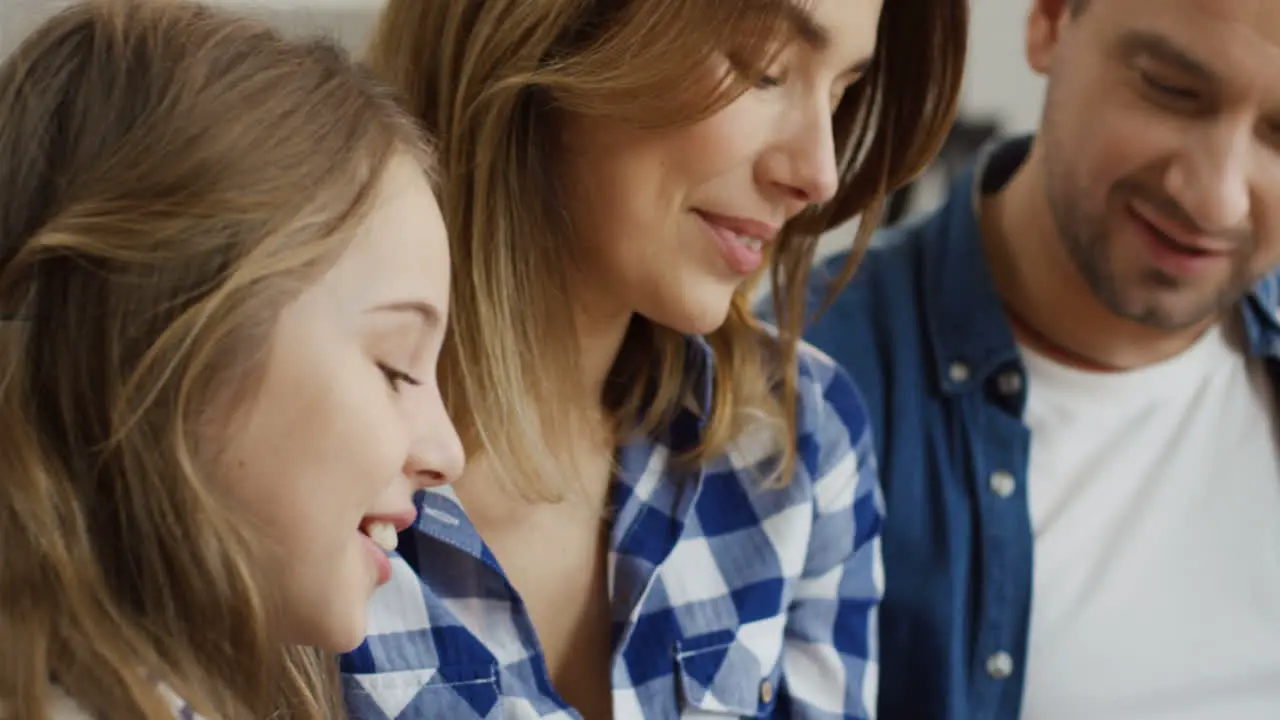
column 766, row 691
column 958, row 372
column 1002, row 483
column 1010, row 383
column 1000, row 665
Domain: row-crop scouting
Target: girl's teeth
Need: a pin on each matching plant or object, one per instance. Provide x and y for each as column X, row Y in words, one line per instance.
column 753, row 244
column 382, row 533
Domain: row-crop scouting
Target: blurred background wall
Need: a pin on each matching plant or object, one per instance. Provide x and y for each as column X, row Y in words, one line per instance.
column 1000, row 96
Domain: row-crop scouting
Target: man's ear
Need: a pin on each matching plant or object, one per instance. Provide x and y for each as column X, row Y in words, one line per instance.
column 1044, row 26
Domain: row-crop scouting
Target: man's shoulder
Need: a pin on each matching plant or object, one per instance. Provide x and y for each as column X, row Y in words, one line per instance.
column 889, row 267
column 884, row 292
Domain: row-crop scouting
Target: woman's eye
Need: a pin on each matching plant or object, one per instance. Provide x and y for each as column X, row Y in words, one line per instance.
column 752, row 72
column 397, row 378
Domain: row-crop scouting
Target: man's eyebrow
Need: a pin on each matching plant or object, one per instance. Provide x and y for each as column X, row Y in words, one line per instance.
column 1140, row 43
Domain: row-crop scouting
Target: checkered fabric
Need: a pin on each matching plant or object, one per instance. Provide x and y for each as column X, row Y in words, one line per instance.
column 730, row 598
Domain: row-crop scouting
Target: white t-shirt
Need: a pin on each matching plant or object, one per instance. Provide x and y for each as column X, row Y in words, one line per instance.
column 1155, row 502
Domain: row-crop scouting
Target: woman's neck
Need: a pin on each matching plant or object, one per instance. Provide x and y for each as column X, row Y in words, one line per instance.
column 583, row 445
column 601, row 330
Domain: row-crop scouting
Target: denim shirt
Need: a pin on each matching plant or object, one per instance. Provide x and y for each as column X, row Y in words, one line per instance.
column 730, row 597
column 922, row 331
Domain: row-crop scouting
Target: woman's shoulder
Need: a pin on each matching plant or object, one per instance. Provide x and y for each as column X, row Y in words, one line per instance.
column 826, row 394
column 827, row 399
column 833, row 428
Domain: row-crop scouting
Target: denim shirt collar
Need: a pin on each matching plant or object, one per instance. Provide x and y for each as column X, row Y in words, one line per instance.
column 970, row 336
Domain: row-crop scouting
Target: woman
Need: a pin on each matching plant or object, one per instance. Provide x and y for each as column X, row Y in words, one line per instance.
column 669, row 510
column 224, row 276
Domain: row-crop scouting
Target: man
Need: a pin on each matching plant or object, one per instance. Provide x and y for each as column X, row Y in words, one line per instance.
column 1070, row 368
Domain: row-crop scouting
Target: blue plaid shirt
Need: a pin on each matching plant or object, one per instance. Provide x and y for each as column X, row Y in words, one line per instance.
column 729, row 598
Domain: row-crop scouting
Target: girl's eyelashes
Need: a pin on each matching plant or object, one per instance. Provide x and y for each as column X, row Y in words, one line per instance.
column 764, row 82
column 397, row 378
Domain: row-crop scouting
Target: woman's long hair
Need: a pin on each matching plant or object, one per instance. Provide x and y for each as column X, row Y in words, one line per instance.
column 489, row 80
column 171, row 176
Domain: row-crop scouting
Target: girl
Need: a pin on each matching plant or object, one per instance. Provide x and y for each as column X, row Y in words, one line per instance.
column 224, row 277
column 669, row 510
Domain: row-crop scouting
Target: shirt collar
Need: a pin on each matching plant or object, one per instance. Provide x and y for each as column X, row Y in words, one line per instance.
column 1261, row 322
column 971, row 335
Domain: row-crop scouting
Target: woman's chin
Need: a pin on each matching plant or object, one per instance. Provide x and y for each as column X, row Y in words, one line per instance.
column 703, row 317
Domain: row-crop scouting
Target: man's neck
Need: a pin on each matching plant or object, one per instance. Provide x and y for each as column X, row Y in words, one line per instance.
column 1051, row 307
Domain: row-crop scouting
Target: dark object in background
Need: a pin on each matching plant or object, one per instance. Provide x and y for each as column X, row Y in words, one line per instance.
column 967, row 136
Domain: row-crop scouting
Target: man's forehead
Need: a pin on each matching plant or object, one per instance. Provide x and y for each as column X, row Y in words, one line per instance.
column 1238, row 39
column 1256, row 21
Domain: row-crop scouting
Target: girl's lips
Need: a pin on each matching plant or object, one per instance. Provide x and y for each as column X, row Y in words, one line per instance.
column 402, row 520
column 378, row 556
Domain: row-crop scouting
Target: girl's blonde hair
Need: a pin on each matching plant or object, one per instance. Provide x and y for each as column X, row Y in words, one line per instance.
column 489, row 80
column 172, row 177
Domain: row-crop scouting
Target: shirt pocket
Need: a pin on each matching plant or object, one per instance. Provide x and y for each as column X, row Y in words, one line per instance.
column 456, row 692
column 720, row 677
